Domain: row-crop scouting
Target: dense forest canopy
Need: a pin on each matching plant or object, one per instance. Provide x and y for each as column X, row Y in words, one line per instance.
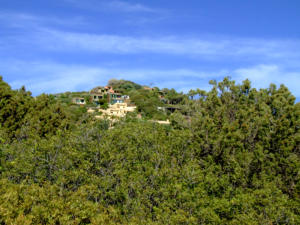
column 230, row 156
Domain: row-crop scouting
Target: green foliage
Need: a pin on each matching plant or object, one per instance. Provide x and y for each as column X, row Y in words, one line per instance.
column 230, row 156
column 14, row 106
column 147, row 103
column 67, row 97
column 104, row 105
column 124, row 86
column 21, row 115
column 173, row 97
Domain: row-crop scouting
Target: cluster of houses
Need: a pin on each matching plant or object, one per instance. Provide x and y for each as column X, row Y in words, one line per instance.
column 108, row 93
column 98, row 94
column 118, row 105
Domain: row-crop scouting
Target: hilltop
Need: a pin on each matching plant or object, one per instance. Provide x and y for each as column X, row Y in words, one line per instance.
column 150, row 103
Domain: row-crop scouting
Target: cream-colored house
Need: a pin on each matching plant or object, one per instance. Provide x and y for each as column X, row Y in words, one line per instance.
column 117, row 110
column 79, row 101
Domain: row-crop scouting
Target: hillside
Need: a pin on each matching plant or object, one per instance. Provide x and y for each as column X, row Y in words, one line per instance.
column 151, row 103
column 229, row 156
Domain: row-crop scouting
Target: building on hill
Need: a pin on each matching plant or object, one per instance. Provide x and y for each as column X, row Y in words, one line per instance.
column 109, row 94
column 116, row 110
column 127, row 100
column 115, row 98
column 79, row 101
column 100, row 93
column 97, row 93
column 102, row 90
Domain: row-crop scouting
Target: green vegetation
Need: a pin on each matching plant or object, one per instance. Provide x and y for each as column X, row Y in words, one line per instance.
column 68, row 96
column 152, row 103
column 230, row 156
column 147, row 103
column 123, row 86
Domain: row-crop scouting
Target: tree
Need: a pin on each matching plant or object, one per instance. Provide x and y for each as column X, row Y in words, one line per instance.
column 234, row 159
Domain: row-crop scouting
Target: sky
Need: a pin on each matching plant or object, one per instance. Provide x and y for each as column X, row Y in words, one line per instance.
column 55, row 46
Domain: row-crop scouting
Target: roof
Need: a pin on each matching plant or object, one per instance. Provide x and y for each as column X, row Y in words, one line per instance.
column 105, row 88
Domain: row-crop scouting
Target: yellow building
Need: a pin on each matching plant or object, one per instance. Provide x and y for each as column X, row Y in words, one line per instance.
column 117, row 110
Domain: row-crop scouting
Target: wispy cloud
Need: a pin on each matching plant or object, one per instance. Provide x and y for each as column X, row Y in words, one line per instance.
column 263, row 61
column 62, row 77
column 263, row 75
column 127, row 7
column 55, row 77
column 44, row 36
column 19, row 20
column 213, row 48
column 112, row 5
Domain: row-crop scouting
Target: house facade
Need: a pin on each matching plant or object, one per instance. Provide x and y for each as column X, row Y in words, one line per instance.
column 117, row 110
column 99, row 93
column 79, row 101
column 109, row 94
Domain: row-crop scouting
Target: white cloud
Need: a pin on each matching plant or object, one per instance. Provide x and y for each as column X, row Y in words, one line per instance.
column 127, row 7
column 29, row 21
column 261, row 76
column 47, row 77
column 213, row 49
column 111, row 5
column 39, row 34
column 275, row 61
column 51, row 77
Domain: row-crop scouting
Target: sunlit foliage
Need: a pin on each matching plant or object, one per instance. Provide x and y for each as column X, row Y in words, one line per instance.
column 230, row 156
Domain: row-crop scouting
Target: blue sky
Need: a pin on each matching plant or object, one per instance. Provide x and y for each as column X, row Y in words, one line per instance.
column 71, row 45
